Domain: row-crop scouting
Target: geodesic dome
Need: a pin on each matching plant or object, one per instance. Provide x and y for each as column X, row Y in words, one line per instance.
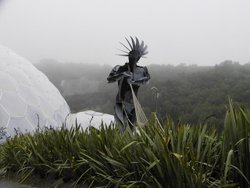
column 27, row 98
column 90, row 118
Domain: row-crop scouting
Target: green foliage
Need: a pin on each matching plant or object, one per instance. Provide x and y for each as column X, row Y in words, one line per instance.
column 173, row 155
column 236, row 146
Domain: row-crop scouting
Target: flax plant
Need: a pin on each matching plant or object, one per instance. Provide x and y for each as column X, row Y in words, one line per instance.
column 236, row 146
column 161, row 154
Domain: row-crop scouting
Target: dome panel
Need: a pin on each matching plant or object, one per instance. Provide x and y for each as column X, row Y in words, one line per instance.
column 64, row 109
column 99, row 118
column 108, row 119
column 46, row 107
column 83, row 119
column 36, row 116
column 19, row 125
column 13, row 104
column 54, row 100
column 18, row 75
column 28, row 95
column 4, row 117
column 59, row 117
column 6, row 82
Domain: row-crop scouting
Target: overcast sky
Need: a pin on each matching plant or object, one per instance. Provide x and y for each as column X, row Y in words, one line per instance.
column 203, row 32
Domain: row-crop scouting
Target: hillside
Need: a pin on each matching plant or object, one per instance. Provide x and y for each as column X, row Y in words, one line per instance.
column 192, row 94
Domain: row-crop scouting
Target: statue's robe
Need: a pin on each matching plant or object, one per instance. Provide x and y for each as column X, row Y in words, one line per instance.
column 124, row 106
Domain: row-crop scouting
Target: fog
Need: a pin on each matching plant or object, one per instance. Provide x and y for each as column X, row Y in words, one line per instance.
column 89, row 31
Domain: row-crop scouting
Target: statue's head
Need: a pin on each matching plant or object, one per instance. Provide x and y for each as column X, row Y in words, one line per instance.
column 134, row 56
column 135, row 51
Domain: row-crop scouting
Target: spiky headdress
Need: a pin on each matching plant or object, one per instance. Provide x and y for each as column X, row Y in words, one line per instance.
column 135, row 49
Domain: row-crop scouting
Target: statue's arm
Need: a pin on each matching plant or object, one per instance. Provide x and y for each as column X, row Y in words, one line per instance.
column 144, row 79
column 116, row 74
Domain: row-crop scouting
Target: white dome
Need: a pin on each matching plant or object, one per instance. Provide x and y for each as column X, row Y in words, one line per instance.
column 27, row 97
column 90, row 118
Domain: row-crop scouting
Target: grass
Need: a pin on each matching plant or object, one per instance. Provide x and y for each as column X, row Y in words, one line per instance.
column 166, row 155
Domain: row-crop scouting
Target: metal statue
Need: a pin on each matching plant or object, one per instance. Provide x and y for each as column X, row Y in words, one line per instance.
column 127, row 75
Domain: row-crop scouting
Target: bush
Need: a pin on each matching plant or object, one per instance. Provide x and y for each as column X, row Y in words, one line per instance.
column 173, row 155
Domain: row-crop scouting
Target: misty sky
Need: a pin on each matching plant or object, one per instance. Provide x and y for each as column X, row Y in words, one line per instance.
column 203, row 32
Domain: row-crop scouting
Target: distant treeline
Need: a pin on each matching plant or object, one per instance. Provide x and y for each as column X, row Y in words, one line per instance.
column 192, row 94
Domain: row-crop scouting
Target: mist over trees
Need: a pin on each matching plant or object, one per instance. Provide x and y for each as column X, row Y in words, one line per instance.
column 191, row 94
